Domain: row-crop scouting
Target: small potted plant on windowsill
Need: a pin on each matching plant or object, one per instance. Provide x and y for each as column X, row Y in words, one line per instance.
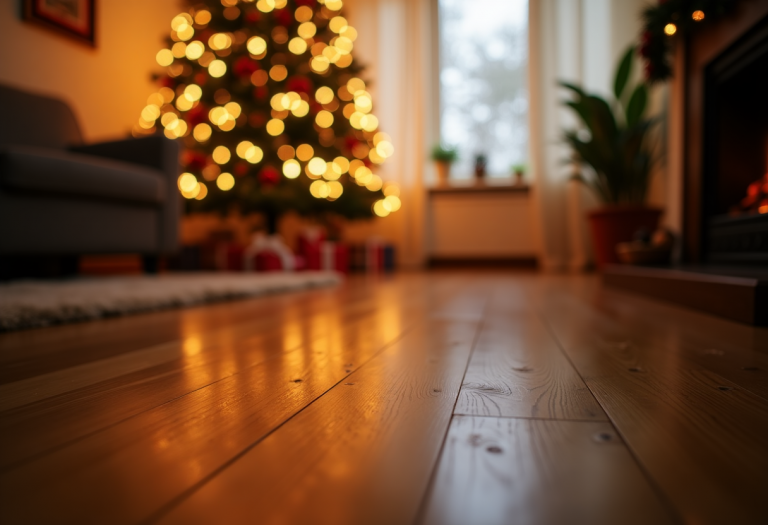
column 444, row 156
column 617, row 148
column 518, row 170
column 481, row 165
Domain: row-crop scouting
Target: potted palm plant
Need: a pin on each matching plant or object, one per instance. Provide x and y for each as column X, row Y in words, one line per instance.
column 616, row 147
column 444, row 156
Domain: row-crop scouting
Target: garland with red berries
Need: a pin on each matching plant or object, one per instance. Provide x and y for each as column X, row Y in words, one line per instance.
column 667, row 20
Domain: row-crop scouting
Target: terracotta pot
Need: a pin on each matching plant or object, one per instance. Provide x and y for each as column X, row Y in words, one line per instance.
column 611, row 225
column 443, row 172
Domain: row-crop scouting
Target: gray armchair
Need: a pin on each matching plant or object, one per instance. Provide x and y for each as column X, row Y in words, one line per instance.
column 61, row 198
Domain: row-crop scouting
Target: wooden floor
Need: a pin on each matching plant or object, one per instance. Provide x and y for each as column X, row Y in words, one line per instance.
column 441, row 398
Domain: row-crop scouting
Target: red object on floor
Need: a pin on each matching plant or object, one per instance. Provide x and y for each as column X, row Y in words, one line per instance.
column 334, row 256
column 311, row 255
column 310, row 243
column 268, row 262
column 374, row 257
column 229, row 257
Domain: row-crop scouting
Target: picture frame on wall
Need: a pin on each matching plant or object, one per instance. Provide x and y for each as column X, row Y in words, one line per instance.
column 74, row 18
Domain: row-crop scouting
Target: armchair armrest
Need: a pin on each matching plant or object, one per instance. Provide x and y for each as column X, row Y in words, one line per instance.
column 157, row 152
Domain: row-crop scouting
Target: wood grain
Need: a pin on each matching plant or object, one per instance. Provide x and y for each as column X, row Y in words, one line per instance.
column 31, row 353
column 153, row 457
column 363, row 453
column 81, row 400
column 497, row 471
column 331, row 406
column 164, row 373
column 125, row 472
column 517, row 370
column 699, row 436
column 732, row 350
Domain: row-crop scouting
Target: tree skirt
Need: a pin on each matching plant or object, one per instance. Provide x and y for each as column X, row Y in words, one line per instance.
column 27, row 304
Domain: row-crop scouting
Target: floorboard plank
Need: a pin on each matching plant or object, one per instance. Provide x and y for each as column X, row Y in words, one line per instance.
column 498, row 471
column 198, row 415
column 31, row 353
column 363, row 453
column 99, row 394
column 699, row 436
column 87, row 410
column 732, row 350
column 518, row 370
column 128, row 471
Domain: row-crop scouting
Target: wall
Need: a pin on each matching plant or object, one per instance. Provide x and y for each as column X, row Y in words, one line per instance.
column 107, row 86
column 473, row 224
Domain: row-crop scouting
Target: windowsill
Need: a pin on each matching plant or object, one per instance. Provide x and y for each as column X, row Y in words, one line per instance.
column 479, row 186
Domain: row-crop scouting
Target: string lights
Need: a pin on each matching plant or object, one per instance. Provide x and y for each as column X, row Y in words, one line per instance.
column 666, row 20
column 258, row 88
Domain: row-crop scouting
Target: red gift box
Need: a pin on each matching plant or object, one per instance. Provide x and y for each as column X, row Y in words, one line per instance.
column 268, row 262
column 334, row 256
column 229, row 257
column 373, row 256
column 310, row 242
column 268, row 254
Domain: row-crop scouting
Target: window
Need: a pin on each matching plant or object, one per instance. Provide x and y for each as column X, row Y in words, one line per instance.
column 483, row 83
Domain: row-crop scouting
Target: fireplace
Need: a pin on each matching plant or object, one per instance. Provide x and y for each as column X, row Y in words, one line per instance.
column 719, row 143
column 734, row 196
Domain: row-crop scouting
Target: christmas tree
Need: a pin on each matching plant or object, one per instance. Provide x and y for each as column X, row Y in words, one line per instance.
column 273, row 115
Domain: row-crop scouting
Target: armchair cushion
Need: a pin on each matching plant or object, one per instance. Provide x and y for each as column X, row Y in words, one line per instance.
column 35, row 169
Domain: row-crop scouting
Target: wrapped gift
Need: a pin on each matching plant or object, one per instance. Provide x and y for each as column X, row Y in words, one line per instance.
column 268, row 253
column 310, row 243
column 268, row 261
column 373, row 256
column 229, row 257
column 334, row 256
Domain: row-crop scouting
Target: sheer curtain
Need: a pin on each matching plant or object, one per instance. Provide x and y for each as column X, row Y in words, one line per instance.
column 578, row 41
column 397, row 42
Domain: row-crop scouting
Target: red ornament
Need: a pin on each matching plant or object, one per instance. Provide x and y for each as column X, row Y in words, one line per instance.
column 261, row 92
column 241, row 169
column 269, row 176
column 350, row 141
column 167, row 82
column 201, row 78
column 197, row 115
column 299, row 84
column 283, row 17
column 245, row 67
column 257, row 119
column 253, row 16
column 194, row 160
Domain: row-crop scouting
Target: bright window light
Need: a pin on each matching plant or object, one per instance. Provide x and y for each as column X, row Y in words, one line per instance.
column 483, row 83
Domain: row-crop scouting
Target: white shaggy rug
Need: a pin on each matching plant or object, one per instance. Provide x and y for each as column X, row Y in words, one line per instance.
column 27, row 304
